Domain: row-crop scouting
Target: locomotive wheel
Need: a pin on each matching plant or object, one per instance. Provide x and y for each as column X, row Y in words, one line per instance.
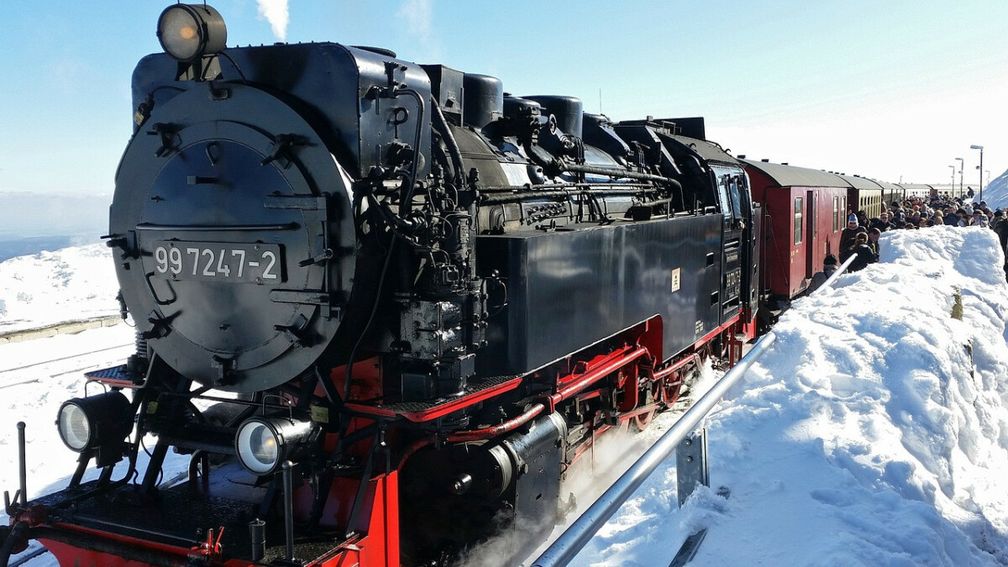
column 642, row 420
column 672, row 388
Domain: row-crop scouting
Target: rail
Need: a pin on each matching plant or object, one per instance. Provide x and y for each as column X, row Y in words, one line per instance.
column 691, row 462
column 840, row 270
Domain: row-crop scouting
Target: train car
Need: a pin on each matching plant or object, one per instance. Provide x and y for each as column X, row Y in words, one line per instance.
column 804, row 212
column 863, row 195
column 920, row 191
column 891, row 192
column 425, row 300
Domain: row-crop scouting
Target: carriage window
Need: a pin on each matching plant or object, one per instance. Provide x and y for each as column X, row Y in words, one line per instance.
column 798, row 220
column 836, row 213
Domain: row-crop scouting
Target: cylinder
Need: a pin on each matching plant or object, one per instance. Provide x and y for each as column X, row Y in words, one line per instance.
column 568, row 111
column 516, row 106
column 484, row 99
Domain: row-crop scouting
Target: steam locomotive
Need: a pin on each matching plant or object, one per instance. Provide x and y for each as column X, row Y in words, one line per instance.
column 383, row 306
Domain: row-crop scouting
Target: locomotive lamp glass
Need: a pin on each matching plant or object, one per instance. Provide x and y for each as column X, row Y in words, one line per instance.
column 74, row 427
column 263, row 444
column 94, row 421
column 187, row 32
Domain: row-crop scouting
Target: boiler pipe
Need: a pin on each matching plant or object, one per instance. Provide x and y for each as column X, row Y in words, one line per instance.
column 596, row 374
column 563, row 393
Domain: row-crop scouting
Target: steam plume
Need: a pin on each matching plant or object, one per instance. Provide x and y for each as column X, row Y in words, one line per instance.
column 275, row 12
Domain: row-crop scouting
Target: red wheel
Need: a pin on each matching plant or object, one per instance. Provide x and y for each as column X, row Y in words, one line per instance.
column 641, row 420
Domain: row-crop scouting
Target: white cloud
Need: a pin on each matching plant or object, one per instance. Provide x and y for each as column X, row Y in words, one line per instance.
column 276, row 13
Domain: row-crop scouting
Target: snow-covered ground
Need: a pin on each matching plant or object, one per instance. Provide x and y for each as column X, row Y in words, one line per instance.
column 874, row 432
column 51, row 287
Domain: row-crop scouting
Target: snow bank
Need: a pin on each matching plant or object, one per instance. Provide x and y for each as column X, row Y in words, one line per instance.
column 52, row 287
column 996, row 192
column 874, row 432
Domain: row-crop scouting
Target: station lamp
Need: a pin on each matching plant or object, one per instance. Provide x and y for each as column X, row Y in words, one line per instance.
column 961, row 164
column 96, row 424
column 980, row 167
column 264, row 443
column 187, row 32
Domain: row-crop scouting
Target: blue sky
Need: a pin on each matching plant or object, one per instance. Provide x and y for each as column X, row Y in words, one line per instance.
column 892, row 89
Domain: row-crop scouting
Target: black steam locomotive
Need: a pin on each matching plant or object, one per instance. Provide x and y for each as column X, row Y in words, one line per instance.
column 426, row 298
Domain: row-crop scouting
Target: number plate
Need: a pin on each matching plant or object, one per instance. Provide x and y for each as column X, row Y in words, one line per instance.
column 218, row 261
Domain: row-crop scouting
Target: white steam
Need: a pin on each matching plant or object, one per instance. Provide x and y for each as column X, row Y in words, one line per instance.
column 275, row 12
column 418, row 17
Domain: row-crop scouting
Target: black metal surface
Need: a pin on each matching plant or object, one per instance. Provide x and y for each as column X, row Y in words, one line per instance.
column 446, row 87
column 484, row 99
column 324, row 83
column 453, row 496
column 570, row 289
column 231, row 334
column 567, row 110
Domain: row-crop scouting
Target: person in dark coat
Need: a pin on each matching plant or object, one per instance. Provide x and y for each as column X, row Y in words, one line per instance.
column 819, row 278
column 865, row 254
column 873, row 240
column 847, row 236
column 1000, row 227
column 882, row 222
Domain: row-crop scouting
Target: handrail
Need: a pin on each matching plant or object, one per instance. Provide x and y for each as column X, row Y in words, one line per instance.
column 839, row 271
column 584, row 528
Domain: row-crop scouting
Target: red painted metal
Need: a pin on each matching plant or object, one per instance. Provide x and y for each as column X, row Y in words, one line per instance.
column 598, row 368
column 495, row 430
column 439, row 410
column 375, row 545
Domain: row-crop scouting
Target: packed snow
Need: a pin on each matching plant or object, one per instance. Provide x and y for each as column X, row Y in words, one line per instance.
column 873, row 432
column 996, row 193
column 70, row 284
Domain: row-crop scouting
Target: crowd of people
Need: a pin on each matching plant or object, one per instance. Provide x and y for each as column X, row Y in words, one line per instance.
column 861, row 236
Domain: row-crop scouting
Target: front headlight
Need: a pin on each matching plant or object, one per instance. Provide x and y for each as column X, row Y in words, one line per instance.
column 74, row 426
column 189, row 31
column 263, row 444
column 96, row 423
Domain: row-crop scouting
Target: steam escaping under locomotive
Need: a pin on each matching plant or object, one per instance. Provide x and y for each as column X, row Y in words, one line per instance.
column 383, row 306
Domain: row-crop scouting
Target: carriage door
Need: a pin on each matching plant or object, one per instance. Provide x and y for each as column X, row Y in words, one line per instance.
column 810, row 242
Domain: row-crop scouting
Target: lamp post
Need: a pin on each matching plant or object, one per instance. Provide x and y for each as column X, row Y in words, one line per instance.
column 960, row 160
column 952, row 191
column 979, row 147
